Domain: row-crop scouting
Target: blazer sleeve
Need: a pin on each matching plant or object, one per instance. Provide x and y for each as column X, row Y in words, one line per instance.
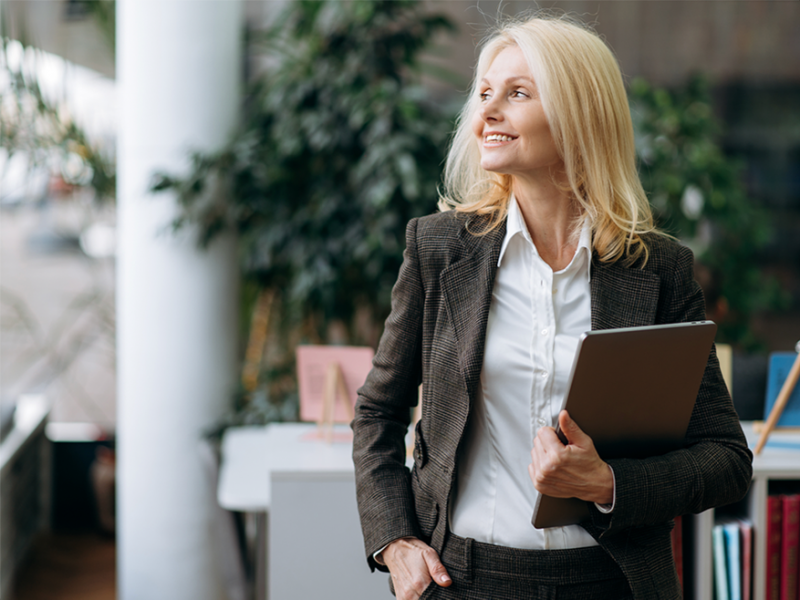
column 383, row 411
column 715, row 466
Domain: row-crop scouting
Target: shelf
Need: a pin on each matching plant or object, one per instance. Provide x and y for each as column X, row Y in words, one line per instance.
column 778, row 462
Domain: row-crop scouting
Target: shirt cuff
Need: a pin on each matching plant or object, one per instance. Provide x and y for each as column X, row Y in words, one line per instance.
column 377, row 556
column 608, row 508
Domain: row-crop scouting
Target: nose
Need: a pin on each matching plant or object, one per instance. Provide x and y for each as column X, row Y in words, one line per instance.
column 490, row 111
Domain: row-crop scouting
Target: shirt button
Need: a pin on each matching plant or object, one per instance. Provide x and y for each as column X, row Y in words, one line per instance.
column 544, row 331
column 541, row 422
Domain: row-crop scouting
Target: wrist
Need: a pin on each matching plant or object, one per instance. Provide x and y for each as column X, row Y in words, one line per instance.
column 604, row 486
column 388, row 549
column 605, row 489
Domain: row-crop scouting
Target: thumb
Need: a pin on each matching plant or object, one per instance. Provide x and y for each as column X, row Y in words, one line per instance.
column 436, row 568
column 570, row 428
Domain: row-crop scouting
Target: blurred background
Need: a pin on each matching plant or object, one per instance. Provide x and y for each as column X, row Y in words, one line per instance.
column 190, row 190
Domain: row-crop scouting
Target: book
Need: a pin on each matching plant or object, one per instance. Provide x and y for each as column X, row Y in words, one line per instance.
column 789, row 545
column 720, row 564
column 734, row 564
column 780, row 363
column 774, row 530
column 677, row 548
column 746, row 528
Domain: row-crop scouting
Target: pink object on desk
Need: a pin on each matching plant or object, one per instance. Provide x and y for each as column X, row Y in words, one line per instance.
column 312, row 363
column 337, row 437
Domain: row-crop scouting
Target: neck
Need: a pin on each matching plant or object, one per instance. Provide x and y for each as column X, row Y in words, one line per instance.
column 549, row 213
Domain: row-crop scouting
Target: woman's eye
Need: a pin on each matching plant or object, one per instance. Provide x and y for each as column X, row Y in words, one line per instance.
column 518, row 94
column 484, row 96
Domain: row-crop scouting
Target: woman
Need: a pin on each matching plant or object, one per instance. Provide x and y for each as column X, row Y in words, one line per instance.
column 545, row 233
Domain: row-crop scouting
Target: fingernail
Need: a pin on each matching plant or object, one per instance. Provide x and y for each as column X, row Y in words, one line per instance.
column 445, row 579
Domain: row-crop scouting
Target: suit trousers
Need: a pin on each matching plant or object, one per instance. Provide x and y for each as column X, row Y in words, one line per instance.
column 487, row 572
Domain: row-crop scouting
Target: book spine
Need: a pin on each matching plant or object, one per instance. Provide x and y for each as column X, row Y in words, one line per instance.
column 789, row 543
column 720, row 568
column 774, row 518
column 733, row 548
column 747, row 559
column 677, row 548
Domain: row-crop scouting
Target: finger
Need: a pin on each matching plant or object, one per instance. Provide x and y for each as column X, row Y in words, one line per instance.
column 407, row 592
column 407, row 565
column 541, row 464
column 571, row 430
column 544, row 449
column 410, row 586
column 548, row 440
column 436, row 568
column 545, row 480
column 537, row 443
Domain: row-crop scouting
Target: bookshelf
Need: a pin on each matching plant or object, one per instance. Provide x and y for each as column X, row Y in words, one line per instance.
column 778, row 465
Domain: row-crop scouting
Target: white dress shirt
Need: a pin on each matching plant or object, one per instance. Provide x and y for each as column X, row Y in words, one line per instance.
column 535, row 320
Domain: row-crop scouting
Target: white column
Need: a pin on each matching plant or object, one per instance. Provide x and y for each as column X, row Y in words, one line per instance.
column 178, row 71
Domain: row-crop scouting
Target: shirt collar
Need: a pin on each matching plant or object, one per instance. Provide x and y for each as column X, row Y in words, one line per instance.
column 515, row 225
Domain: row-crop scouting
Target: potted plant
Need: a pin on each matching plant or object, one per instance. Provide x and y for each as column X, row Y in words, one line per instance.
column 338, row 147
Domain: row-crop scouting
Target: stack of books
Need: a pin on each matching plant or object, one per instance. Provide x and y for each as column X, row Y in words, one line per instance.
column 783, row 536
column 733, row 559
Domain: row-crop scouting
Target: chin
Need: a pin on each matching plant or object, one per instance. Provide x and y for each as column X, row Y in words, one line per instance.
column 491, row 166
column 495, row 169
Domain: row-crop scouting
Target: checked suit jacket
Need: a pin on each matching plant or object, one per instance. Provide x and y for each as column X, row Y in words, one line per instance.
column 435, row 335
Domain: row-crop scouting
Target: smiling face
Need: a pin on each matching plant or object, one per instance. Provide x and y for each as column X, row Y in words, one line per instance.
column 512, row 130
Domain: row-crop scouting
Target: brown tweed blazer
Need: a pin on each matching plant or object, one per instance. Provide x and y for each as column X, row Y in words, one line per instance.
column 435, row 335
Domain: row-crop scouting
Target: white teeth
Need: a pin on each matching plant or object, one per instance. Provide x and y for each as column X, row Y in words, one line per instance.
column 498, row 138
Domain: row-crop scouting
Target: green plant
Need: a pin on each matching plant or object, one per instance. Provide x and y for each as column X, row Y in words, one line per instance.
column 37, row 125
column 697, row 195
column 339, row 146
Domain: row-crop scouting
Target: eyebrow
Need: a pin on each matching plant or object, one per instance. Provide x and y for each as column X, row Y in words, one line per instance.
column 512, row 79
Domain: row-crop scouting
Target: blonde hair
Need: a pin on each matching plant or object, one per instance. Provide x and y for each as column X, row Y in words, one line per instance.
column 584, row 99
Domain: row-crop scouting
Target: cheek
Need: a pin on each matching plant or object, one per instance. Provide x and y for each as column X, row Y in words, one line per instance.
column 546, row 135
column 552, row 146
column 477, row 126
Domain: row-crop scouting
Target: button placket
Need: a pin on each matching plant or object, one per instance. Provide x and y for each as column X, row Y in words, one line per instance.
column 542, row 345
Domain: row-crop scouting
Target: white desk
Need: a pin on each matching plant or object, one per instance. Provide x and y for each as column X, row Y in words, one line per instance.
column 251, row 454
column 306, row 487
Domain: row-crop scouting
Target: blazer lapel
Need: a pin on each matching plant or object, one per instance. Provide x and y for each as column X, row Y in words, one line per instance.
column 623, row 296
column 467, row 288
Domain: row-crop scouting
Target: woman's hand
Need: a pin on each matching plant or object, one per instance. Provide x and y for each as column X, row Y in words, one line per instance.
column 413, row 565
column 574, row 470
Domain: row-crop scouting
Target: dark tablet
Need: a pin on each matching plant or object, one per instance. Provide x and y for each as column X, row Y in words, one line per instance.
column 632, row 391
